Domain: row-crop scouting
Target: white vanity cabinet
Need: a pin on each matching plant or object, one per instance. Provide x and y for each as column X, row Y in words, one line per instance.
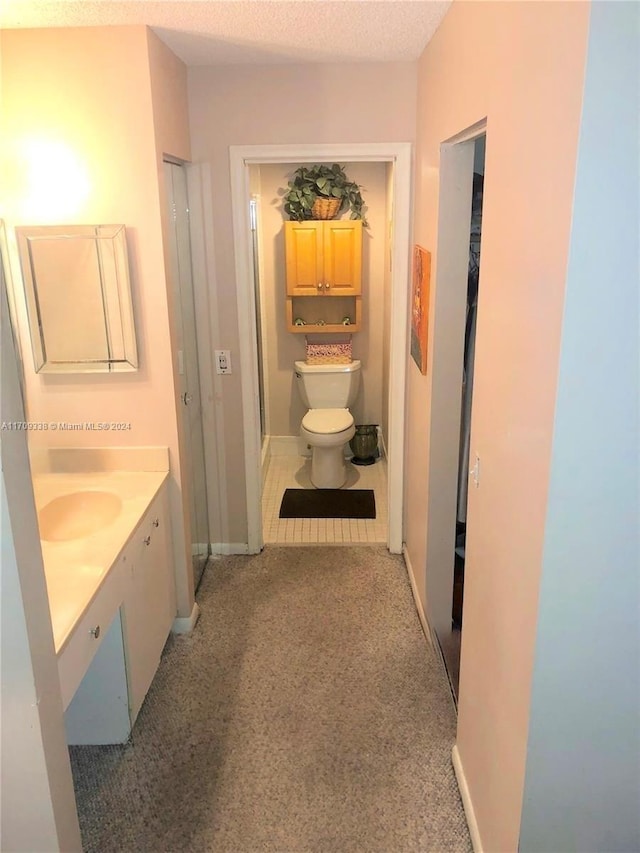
column 107, row 665
column 150, row 603
column 86, row 639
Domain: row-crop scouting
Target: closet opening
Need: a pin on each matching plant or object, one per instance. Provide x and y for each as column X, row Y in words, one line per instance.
column 452, row 645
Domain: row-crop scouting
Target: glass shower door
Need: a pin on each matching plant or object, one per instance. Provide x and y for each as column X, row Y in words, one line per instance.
column 192, row 455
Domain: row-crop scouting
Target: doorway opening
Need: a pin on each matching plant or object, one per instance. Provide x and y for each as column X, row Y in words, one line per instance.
column 452, row 458
column 286, row 459
column 451, row 648
column 396, row 159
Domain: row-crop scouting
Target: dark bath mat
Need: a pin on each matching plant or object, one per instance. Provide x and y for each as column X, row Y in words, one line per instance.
column 328, row 503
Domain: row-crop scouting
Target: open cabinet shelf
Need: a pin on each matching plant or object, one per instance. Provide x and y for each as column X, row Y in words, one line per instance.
column 306, row 304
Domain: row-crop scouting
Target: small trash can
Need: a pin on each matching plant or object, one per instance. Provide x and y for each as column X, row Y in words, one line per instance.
column 364, row 444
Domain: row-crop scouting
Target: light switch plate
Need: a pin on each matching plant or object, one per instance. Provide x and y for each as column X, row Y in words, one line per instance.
column 223, row 361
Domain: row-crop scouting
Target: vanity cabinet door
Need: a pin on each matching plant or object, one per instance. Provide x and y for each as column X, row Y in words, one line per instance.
column 149, row 607
column 99, row 710
column 89, row 634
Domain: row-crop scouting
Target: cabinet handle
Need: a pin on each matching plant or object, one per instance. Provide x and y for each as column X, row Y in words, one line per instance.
column 327, row 285
column 95, row 632
column 147, row 540
column 319, row 285
column 156, row 522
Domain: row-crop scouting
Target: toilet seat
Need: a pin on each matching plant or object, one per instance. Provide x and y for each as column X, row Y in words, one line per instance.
column 327, row 421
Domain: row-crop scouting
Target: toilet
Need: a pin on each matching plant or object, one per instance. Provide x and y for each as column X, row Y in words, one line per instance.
column 328, row 390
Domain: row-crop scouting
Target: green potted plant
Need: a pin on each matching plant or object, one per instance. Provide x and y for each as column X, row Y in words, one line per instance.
column 322, row 192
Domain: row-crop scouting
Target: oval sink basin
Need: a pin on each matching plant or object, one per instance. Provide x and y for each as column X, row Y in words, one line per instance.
column 77, row 515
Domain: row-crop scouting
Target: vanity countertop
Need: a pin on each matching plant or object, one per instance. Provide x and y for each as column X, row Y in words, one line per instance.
column 75, row 569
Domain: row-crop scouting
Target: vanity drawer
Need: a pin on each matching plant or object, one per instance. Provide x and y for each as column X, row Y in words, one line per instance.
column 87, row 636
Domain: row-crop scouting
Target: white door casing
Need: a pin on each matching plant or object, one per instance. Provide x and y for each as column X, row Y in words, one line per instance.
column 241, row 157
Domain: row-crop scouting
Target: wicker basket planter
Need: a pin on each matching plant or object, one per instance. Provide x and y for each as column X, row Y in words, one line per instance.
column 322, row 191
column 326, row 208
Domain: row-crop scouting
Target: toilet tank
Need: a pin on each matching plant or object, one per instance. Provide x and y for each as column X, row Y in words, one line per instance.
column 328, row 386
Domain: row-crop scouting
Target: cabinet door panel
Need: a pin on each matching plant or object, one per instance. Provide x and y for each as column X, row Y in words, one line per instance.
column 89, row 634
column 99, row 710
column 303, row 242
column 149, row 607
column 343, row 257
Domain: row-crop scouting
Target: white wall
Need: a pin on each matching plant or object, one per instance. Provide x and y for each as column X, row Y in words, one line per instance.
column 105, row 169
column 60, row 168
column 116, row 155
column 37, row 806
column 582, row 785
column 249, row 105
column 286, row 410
column 520, row 66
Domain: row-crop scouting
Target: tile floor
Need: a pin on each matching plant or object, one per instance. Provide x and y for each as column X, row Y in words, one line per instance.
column 292, row 472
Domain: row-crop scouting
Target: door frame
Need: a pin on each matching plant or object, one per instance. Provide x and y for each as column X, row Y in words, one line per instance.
column 400, row 155
column 259, row 271
column 454, row 215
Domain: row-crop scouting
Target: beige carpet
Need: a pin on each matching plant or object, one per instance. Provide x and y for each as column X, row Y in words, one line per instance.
column 305, row 713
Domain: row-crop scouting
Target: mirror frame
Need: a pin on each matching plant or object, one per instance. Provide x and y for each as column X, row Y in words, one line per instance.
column 114, row 289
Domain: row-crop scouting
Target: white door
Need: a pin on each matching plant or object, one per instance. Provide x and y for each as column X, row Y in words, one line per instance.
column 187, row 359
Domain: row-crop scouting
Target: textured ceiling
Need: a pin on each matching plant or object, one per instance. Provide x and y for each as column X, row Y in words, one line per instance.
column 223, row 32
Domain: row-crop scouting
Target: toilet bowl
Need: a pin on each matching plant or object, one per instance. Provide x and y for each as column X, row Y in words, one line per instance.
column 326, row 431
column 327, row 390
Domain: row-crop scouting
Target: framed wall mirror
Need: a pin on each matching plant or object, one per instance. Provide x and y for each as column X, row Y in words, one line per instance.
column 78, row 298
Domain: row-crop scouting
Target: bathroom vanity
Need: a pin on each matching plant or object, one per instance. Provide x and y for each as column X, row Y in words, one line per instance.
column 106, row 549
column 324, row 275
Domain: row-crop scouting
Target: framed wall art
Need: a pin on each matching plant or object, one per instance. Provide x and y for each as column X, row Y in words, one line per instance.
column 420, row 306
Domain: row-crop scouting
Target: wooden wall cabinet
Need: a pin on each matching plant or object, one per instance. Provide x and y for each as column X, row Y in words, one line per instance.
column 324, row 261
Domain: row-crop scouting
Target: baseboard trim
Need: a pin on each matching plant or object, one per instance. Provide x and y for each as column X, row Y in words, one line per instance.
column 284, row 445
column 467, row 804
column 225, row 549
column 416, row 598
column 186, row 624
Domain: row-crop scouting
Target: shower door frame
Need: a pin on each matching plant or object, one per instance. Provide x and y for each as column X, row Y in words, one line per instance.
column 400, row 155
column 189, row 386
